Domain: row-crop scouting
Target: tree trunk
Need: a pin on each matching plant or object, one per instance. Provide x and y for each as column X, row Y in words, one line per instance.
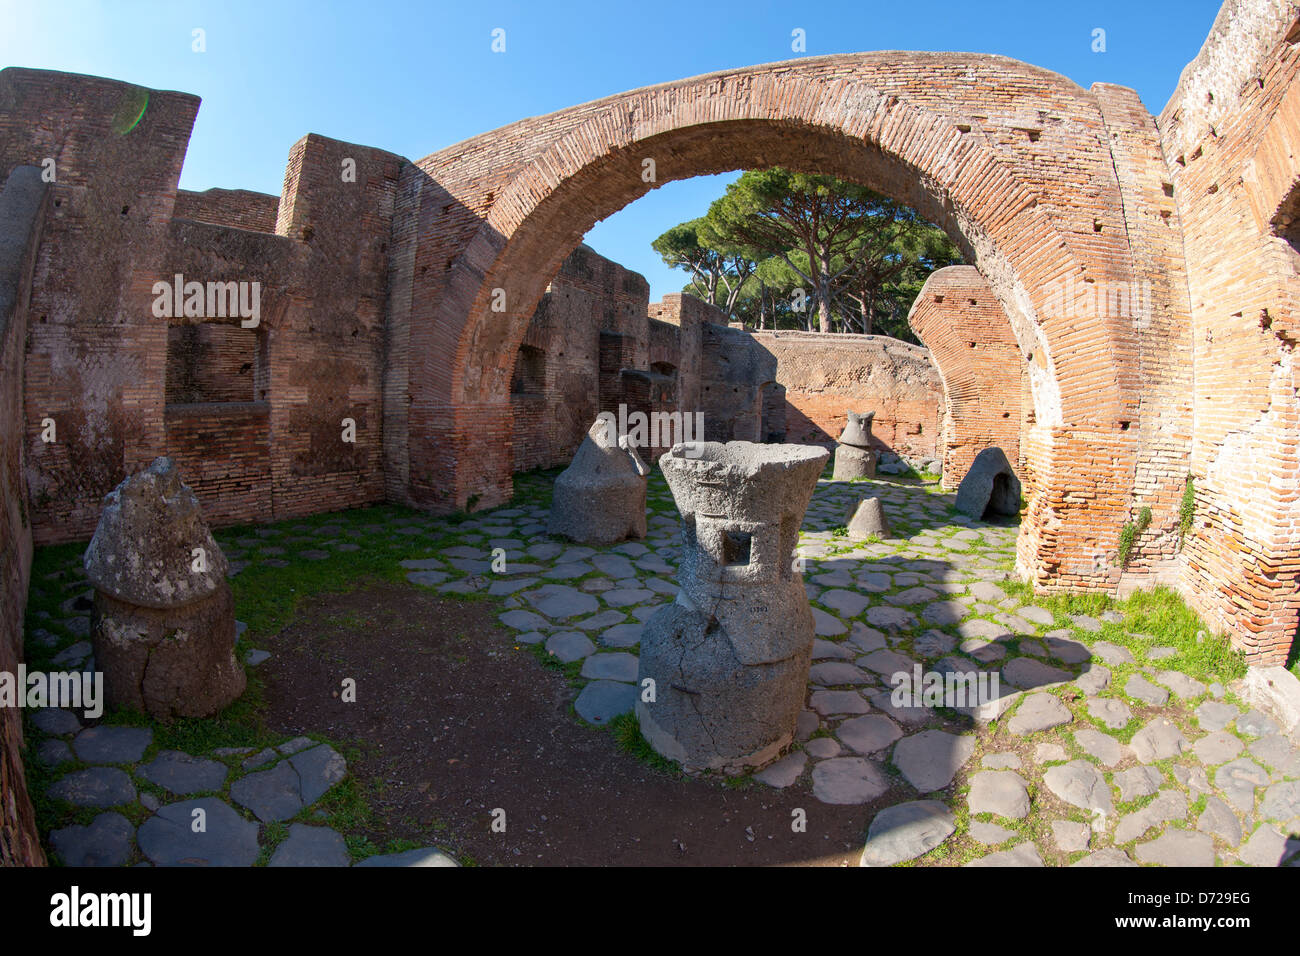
column 824, row 308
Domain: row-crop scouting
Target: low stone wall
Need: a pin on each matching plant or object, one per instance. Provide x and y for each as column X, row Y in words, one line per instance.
column 827, row 375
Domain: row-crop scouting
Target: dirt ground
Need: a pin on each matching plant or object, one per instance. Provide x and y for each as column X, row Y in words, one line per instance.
column 455, row 720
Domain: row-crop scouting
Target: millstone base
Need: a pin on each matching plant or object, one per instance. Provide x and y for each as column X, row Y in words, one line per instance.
column 175, row 662
column 853, row 462
column 598, row 514
column 711, row 711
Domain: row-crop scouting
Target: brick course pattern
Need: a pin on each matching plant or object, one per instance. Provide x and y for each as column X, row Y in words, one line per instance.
column 1231, row 138
column 984, row 378
column 1015, row 162
column 24, row 208
column 827, row 376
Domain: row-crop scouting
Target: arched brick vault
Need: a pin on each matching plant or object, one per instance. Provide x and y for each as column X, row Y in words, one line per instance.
column 1015, row 162
column 957, row 317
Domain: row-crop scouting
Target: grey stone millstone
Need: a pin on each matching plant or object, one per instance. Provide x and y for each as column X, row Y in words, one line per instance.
column 105, row 842
column 603, row 700
column 168, row 837
column 600, row 498
column 182, row 774
column 311, row 846
column 163, row 632
column 867, row 519
column 730, row 657
column 905, row 831
column 94, row 787
column 990, row 486
column 142, row 549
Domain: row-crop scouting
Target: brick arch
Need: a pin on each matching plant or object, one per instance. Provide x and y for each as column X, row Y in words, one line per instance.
column 1010, row 159
column 957, row 317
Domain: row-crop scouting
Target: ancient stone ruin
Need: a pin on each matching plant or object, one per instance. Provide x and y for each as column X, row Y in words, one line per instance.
column 854, row 456
column 729, row 658
column 600, row 497
column 990, row 488
column 867, row 518
column 163, row 625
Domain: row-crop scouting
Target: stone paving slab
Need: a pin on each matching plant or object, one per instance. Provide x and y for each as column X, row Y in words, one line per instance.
column 171, row 836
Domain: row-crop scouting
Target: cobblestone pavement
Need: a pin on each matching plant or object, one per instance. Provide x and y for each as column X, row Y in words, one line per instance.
column 1099, row 751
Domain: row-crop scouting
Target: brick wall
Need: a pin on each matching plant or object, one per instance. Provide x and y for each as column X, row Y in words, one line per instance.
column 1230, row 135
column 214, row 362
column 239, row 208
column 590, row 325
column 224, row 453
column 95, row 354
column 1017, row 163
column 23, row 207
column 825, row 376
column 984, row 382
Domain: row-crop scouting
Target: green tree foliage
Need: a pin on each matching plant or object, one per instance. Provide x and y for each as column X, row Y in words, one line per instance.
column 718, row 269
column 791, row 250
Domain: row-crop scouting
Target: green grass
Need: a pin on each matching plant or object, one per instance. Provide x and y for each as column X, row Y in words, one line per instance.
column 1161, row 614
column 627, row 733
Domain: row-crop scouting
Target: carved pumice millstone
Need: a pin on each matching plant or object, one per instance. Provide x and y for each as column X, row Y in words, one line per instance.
column 163, row 624
column 729, row 659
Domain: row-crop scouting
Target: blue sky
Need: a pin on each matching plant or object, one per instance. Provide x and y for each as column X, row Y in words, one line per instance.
column 414, row 77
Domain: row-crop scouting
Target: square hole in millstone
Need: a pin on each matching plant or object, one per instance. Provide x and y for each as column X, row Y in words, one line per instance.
column 735, row 548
